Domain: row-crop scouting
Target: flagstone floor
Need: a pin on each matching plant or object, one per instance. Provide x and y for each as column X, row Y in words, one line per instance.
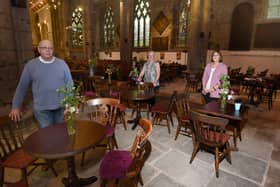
column 257, row 163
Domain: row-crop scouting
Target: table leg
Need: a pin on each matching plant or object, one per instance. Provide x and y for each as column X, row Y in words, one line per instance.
column 138, row 116
column 73, row 180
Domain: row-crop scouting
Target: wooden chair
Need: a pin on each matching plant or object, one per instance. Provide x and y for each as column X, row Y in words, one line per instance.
column 211, row 135
column 162, row 112
column 122, row 167
column 104, row 111
column 185, row 126
column 12, row 154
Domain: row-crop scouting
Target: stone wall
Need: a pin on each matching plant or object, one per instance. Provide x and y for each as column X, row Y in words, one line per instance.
column 15, row 46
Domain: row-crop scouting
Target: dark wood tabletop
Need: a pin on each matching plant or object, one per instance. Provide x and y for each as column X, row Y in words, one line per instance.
column 137, row 95
column 214, row 108
column 53, row 142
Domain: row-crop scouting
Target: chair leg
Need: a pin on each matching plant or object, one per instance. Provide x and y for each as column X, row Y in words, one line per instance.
column 114, row 142
column 195, row 150
column 123, row 120
column 217, row 160
column 168, row 126
column 228, row 153
column 24, row 175
column 171, row 119
column 140, row 179
column 1, row 176
column 102, row 183
column 83, row 159
column 178, row 130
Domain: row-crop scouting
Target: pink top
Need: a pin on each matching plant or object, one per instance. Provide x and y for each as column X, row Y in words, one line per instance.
column 220, row 70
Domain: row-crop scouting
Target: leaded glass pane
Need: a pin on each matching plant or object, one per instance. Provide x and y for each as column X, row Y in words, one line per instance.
column 109, row 28
column 183, row 24
column 273, row 10
column 142, row 23
column 77, row 28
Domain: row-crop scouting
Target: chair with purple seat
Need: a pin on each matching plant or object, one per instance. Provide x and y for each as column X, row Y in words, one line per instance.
column 164, row 112
column 104, row 111
column 123, row 167
column 211, row 135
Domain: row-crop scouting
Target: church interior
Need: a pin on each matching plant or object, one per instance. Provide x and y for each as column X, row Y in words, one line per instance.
column 117, row 35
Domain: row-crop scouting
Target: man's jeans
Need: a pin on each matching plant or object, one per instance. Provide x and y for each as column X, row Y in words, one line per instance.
column 46, row 118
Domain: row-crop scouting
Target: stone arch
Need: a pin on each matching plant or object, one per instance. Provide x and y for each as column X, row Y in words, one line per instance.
column 241, row 27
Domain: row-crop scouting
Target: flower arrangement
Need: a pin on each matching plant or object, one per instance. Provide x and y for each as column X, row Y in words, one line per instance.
column 110, row 69
column 225, row 84
column 224, row 87
column 70, row 101
column 92, row 62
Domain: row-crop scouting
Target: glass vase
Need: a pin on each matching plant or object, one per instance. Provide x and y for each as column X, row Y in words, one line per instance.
column 70, row 124
column 109, row 79
column 223, row 101
column 91, row 71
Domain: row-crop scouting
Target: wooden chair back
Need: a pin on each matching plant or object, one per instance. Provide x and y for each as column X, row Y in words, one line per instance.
column 103, row 110
column 10, row 139
column 142, row 134
column 182, row 105
column 209, row 130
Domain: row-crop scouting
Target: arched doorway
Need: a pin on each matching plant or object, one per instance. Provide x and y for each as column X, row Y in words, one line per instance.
column 241, row 27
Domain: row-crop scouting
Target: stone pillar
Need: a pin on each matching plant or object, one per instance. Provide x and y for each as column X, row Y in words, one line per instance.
column 126, row 30
column 198, row 36
column 126, row 18
column 87, row 21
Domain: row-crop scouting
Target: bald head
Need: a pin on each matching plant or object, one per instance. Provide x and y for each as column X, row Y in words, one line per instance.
column 45, row 49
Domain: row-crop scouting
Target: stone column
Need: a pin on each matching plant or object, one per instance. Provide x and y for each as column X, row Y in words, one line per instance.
column 126, row 18
column 87, row 21
column 198, row 36
column 126, row 30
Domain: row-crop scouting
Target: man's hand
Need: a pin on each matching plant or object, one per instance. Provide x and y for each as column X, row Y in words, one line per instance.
column 15, row 114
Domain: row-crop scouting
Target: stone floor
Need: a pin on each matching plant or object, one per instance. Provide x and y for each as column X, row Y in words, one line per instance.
column 257, row 163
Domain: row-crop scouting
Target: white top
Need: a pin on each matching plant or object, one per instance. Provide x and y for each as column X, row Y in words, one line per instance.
column 45, row 61
column 208, row 84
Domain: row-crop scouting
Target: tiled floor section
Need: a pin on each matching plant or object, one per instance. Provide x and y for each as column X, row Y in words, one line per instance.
column 257, row 163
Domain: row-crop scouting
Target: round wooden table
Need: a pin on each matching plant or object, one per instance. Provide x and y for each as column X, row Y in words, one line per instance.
column 53, row 142
column 138, row 96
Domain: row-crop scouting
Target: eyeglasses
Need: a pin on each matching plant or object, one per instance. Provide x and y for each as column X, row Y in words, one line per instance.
column 46, row 48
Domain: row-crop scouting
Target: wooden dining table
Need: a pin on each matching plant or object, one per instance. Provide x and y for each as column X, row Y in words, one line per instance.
column 237, row 119
column 53, row 142
column 138, row 96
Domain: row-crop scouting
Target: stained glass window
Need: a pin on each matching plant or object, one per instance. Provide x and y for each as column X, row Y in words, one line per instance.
column 183, row 29
column 142, row 22
column 77, row 28
column 273, row 10
column 109, row 28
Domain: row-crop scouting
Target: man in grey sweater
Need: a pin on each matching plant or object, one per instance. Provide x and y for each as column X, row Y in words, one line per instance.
column 46, row 73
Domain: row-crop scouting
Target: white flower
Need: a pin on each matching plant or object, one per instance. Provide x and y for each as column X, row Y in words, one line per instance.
column 72, row 109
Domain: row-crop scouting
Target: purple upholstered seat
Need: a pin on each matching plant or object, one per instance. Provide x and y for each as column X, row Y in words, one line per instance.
column 90, row 94
column 115, row 164
column 109, row 131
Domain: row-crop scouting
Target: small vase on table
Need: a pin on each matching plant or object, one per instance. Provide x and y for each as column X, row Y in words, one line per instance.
column 70, row 124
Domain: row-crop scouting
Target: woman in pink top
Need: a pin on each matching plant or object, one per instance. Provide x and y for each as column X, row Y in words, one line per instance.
column 211, row 77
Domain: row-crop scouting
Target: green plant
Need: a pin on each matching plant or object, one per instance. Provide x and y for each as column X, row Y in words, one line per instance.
column 110, row 69
column 71, row 97
column 225, row 84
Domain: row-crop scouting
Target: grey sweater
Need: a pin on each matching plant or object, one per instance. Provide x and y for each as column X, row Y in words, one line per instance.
column 45, row 79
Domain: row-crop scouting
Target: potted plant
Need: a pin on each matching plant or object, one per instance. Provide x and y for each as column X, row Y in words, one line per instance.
column 224, row 87
column 70, row 102
column 91, row 65
column 109, row 70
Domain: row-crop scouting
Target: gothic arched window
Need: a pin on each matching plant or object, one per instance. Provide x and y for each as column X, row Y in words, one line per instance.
column 77, row 28
column 109, row 28
column 273, row 9
column 142, row 22
column 184, row 21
